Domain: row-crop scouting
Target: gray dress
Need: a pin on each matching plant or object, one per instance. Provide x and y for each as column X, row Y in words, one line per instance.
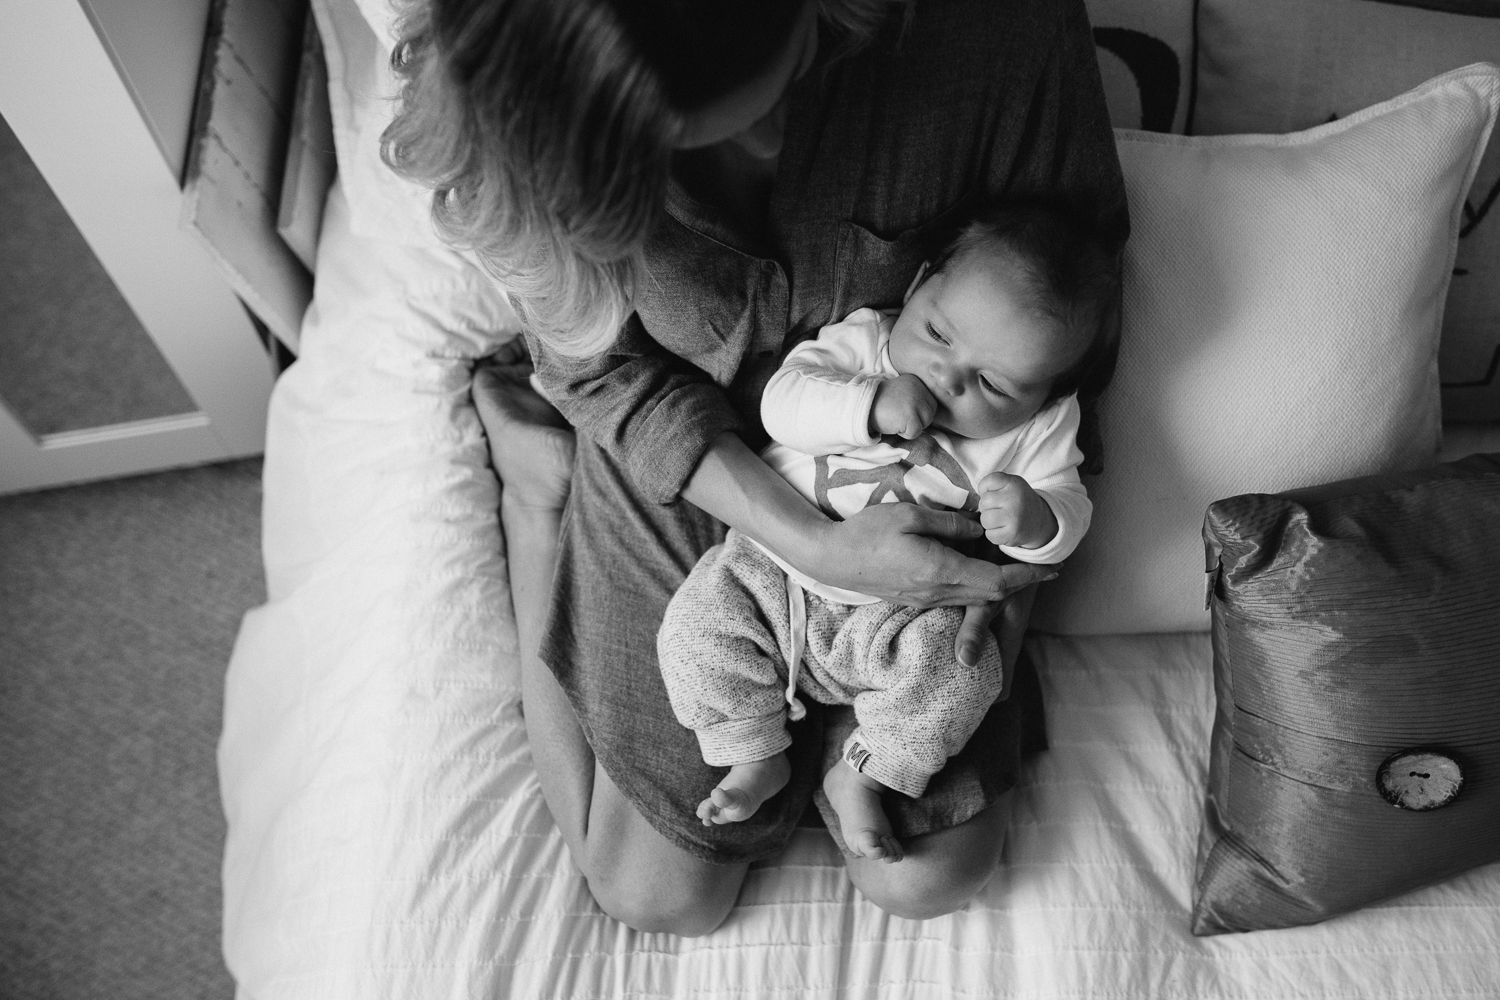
column 885, row 150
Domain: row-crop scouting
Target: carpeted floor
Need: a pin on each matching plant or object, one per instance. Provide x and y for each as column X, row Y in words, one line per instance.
column 119, row 603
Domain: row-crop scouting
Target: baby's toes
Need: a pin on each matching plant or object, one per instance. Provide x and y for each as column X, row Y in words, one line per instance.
column 869, row 844
column 733, row 805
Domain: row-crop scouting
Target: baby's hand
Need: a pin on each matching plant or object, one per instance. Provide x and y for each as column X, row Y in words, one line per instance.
column 1013, row 513
column 903, row 406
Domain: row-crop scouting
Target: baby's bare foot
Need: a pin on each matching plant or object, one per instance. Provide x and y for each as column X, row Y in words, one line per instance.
column 743, row 789
column 855, row 797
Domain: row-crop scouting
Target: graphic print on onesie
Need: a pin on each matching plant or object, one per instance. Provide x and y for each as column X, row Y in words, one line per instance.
column 917, row 471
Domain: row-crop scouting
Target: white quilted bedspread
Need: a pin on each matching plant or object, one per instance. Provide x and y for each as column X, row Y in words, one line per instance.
column 388, row 839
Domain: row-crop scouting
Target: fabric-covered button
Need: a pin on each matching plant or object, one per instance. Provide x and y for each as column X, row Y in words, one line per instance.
column 1419, row 780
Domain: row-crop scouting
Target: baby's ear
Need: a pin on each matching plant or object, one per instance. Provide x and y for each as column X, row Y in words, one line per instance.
column 916, row 282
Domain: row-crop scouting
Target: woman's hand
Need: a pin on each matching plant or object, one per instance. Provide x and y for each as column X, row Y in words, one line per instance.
column 531, row 445
column 896, row 552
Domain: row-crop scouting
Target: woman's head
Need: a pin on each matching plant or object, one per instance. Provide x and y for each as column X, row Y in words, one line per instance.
column 546, row 129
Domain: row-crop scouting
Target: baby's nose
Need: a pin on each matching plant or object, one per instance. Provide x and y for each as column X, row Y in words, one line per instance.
column 946, row 380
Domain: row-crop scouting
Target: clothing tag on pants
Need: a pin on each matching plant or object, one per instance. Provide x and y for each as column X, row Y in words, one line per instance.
column 856, row 755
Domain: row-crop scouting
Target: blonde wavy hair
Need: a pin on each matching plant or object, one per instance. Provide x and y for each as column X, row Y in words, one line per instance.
column 545, row 129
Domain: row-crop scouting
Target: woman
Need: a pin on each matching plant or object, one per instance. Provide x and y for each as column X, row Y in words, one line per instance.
column 674, row 193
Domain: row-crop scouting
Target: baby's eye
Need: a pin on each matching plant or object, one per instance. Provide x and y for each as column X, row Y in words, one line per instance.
column 989, row 386
column 935, row 335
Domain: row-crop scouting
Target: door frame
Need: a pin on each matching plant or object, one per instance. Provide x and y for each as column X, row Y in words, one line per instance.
column 75, row 115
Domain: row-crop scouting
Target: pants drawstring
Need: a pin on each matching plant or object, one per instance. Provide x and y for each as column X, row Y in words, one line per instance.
column 797, row 608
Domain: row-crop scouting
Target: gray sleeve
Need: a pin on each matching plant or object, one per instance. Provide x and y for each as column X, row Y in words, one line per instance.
column 652, row 412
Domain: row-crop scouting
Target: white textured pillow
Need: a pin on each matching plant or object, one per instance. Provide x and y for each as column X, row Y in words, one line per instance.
column 1279, row 65
column 1283, row 299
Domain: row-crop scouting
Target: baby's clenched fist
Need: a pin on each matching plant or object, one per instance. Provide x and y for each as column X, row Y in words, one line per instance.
column 1013, row 513
column 903, row 406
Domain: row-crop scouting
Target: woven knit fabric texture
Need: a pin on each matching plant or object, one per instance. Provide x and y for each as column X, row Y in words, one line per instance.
column 1280, row 65
column 1283, row 296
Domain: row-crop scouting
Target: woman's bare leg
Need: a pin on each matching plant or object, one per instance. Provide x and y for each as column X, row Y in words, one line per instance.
column 942, row 871
column 939, row 872
column 634, row 873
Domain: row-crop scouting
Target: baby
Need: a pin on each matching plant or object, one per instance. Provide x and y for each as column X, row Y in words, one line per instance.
column 964, row 400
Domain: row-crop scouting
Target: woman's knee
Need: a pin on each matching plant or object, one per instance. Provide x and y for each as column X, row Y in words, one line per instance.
column 643, row 880
column 941, row 871
column 688, row 906
column 921, row 894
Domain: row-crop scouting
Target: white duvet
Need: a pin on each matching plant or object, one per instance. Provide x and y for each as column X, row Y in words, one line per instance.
column 388, row 839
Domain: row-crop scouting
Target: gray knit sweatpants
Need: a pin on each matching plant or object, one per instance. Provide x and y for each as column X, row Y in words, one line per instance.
column 724, row 645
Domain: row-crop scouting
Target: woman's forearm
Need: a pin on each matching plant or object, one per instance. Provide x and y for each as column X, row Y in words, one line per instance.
column 735, row 486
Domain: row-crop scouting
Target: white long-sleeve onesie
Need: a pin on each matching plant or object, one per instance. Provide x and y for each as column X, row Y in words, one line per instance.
column 817, row 411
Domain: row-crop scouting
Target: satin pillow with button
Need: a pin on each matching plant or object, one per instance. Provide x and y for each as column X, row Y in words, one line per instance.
column 1356, row 746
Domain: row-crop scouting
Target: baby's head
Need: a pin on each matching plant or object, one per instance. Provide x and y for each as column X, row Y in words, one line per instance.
column 1014, row 313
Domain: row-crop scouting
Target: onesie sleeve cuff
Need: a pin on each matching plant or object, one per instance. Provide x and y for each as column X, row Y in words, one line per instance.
column 857, row 407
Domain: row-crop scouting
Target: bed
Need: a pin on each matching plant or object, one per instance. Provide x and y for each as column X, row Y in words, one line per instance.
column 387, row 834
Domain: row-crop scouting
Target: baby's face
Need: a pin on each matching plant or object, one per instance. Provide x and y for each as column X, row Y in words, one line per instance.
column 988, row 359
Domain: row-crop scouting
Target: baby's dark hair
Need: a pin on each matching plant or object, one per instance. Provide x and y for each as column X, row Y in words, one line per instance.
column 1071, row 275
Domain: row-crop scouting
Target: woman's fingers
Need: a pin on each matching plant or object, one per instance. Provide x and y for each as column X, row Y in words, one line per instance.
column 945, row 524
column 1017, row 575
column 971, row 633
column 977, row 617
column 512, row 352
column 531, row 445
column 987, row 581
column 897, row 552
column 503, row 394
